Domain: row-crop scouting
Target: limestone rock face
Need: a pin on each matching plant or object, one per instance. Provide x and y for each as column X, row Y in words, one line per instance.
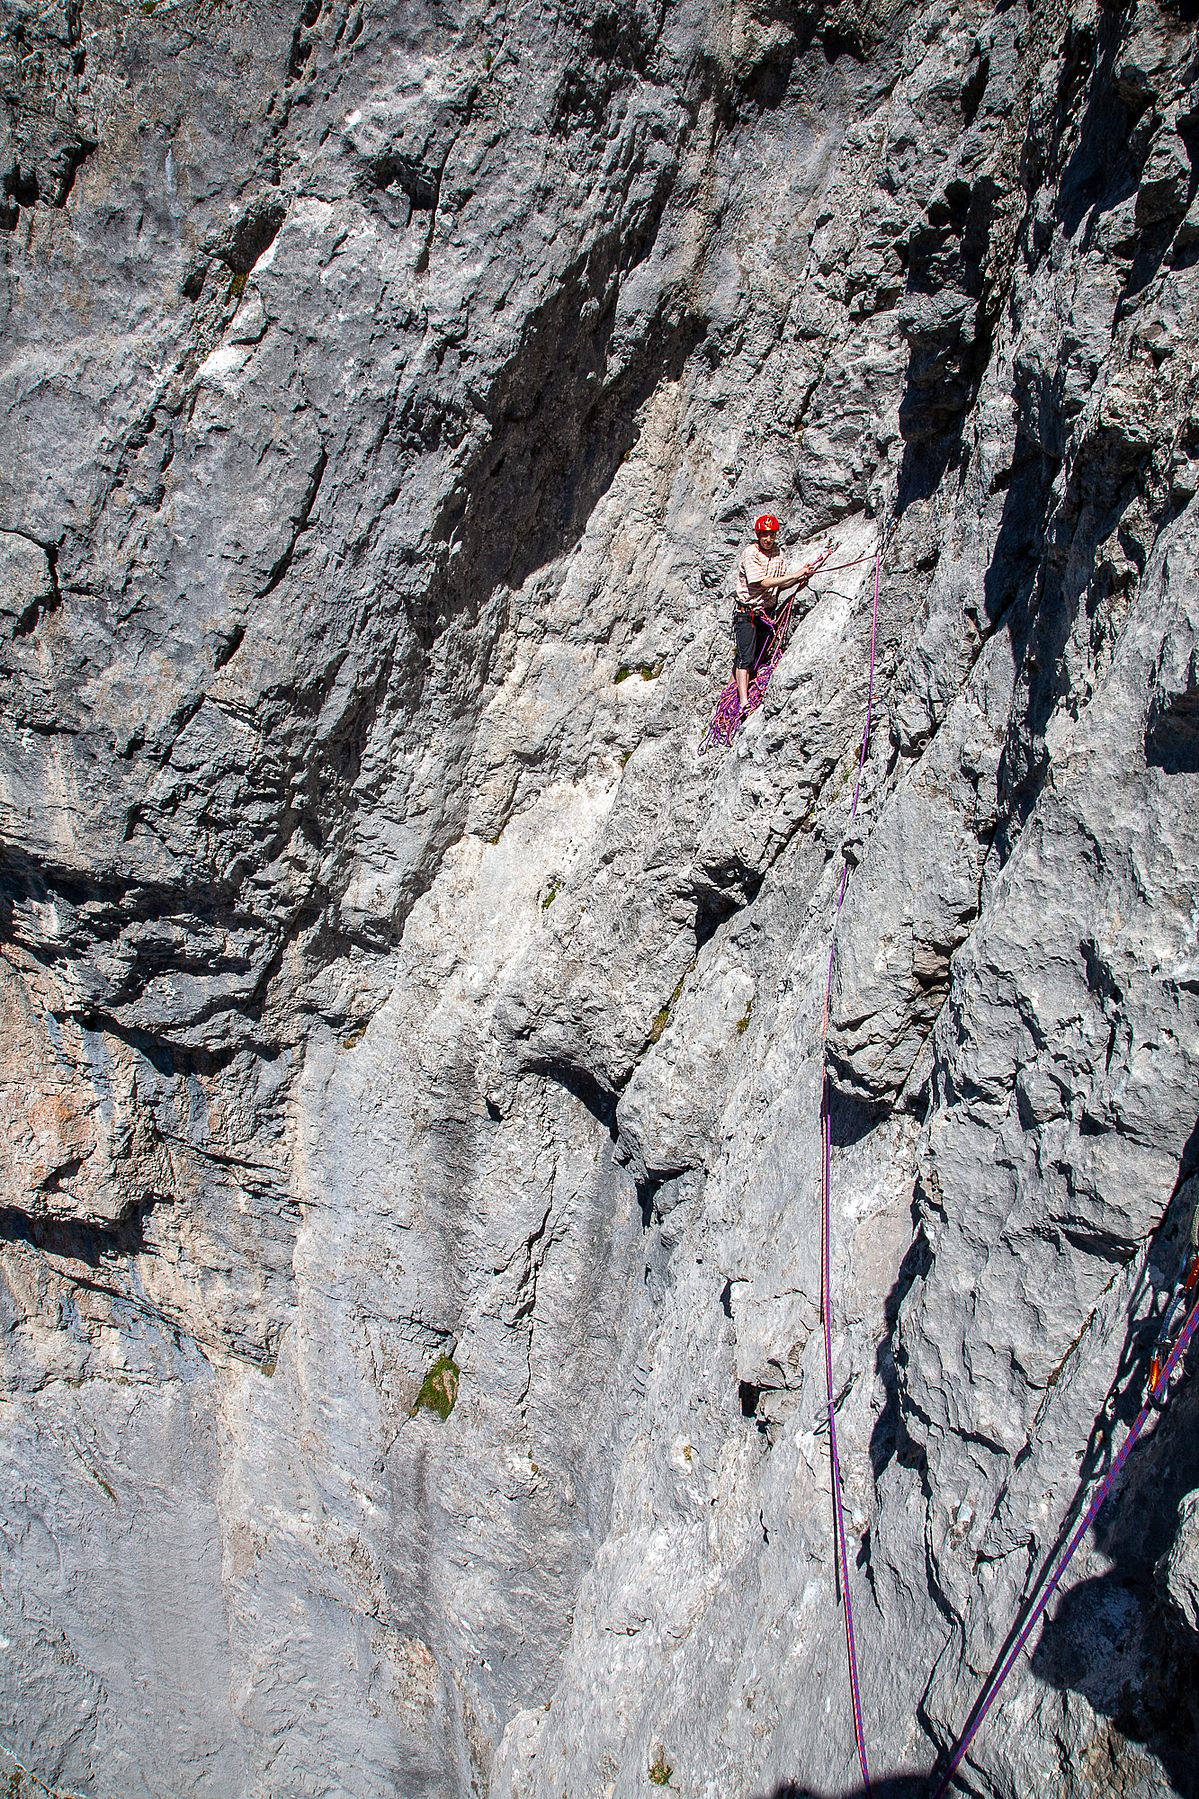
column 1183, row 1564
column 388, row 981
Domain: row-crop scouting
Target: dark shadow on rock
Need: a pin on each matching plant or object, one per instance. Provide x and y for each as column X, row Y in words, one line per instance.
column 1100, row 172
column 1172, row 735
column 948, row 317
column 583, row 1086
column 956, row 278
column 1112, row 1638
column 722, row 890
column 1043, row 567
column 559, row 428
column 648, row 1189
column 1013, row 588
column 890, row 1786
column 889, row 1439
column 1011, row 577
column 78, row 1240
column 1042, row 572
column 852, row 1118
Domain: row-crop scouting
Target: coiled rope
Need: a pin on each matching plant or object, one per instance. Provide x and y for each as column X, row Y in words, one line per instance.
column 729, row 715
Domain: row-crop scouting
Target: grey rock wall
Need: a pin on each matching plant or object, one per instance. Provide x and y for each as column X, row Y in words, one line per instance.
column 387, row 978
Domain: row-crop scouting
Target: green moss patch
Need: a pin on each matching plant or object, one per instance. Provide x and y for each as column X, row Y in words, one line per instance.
column 660, row 1023
column 660, row 1771
column 439, row 1389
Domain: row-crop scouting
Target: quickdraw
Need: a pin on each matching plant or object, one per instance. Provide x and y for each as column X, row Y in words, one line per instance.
column 1166, row 1336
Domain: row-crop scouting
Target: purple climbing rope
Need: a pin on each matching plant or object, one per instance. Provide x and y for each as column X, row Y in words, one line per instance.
column 729, row 716
column 1157, row 1396
column 1162, row 1373
column 826, row 1241
column 834, row 568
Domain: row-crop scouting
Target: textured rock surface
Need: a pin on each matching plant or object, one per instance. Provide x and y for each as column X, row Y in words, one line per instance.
column 386, row 977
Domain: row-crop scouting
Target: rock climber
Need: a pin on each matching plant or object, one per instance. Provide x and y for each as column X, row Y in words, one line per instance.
column 762, row 573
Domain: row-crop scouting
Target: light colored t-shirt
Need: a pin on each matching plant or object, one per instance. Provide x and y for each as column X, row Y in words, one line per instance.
column 752, row 568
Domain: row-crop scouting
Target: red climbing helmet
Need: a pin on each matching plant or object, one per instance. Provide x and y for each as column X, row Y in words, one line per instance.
column 767, row 522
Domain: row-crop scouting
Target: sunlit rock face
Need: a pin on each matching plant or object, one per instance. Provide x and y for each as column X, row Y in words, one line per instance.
column 412, row 1371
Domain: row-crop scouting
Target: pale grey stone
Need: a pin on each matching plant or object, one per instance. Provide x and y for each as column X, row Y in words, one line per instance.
column 387, row 977
column 1182, row 1568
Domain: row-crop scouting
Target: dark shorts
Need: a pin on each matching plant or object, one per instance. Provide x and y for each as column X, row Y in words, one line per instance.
column 749, row 636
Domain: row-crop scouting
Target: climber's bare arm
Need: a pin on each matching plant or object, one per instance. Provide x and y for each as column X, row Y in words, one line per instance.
column 797, row 577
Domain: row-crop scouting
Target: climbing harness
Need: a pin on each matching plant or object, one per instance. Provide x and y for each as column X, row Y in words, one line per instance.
column 1173, row 1341
column 826, row 1233
column 729, row 715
